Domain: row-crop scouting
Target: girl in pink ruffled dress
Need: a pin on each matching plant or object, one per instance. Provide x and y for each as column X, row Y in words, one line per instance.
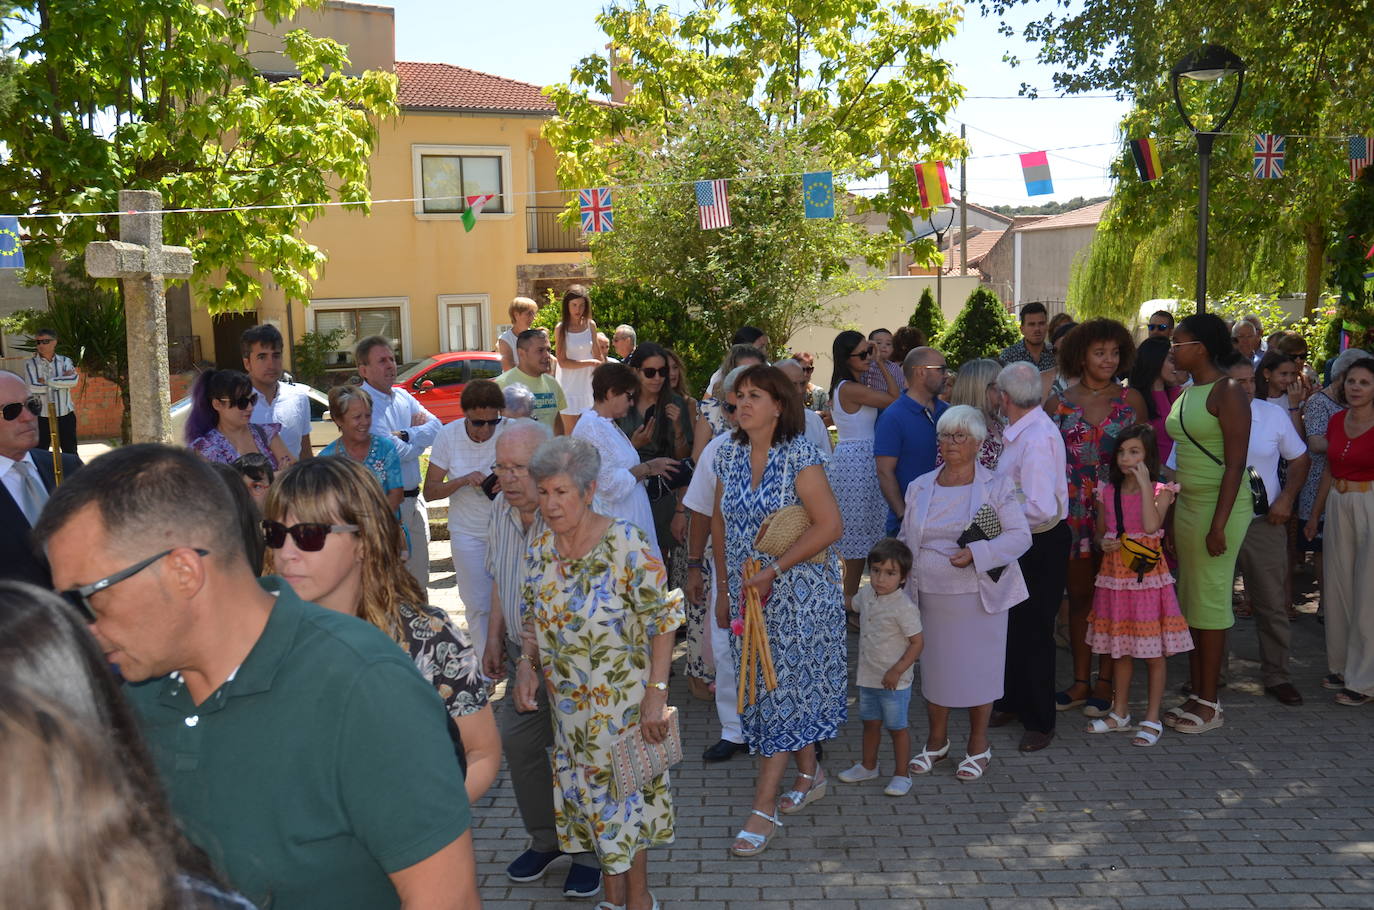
column 1135, row 611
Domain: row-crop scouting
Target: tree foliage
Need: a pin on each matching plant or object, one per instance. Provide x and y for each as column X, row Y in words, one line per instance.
column 983, row 328
column 927, row 316
column 738, row 89
column 1307, row 75
column 126, row 94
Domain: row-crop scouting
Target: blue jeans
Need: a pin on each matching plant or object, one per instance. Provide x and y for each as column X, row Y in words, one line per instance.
column 891, row 706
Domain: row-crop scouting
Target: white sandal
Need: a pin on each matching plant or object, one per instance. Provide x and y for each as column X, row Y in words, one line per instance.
column 1194, row 723
column 757, row 842
column 926, row 759
column 969, row 769
column 800, row 800
column 1120, row 724
column 1148, row 734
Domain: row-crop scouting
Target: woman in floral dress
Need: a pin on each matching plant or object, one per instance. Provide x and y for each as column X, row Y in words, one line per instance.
column 1090, row 413
column 599, row 624
column 768, row 465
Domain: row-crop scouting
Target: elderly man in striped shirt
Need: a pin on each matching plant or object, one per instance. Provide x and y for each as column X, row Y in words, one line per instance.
column 45, row 365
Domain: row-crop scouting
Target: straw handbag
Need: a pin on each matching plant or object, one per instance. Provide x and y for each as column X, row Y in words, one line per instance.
column 782, row 529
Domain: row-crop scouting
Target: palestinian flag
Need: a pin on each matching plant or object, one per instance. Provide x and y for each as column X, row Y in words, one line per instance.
column 932, row 184
column 1146, row 155
column 474, row 206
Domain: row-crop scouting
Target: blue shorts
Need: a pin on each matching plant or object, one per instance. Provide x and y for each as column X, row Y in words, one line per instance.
column 891, row 706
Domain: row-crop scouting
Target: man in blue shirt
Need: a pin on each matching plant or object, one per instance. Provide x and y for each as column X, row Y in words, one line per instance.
column 904, row 438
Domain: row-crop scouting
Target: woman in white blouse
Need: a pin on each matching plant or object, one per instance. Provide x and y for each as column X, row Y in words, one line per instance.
column 620, row 489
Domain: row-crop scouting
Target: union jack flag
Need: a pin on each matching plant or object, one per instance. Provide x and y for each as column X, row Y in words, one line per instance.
column 1269, row 152
column 1361, row 155
column 597, row 215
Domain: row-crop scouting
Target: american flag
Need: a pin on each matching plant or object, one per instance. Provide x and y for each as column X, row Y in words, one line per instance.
column 1361, row 155
column 596, row 210
column 1269, row 151
column 713, row 208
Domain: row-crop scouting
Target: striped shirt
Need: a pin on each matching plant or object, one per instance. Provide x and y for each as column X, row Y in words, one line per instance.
column 508, row 546
column 38, row 371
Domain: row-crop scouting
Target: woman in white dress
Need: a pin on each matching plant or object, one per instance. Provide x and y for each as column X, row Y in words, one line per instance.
column 575, row 348
column 620, row 489
column 852, row 472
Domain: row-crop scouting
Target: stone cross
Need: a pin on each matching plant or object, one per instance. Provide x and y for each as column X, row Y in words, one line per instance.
column 140, row 260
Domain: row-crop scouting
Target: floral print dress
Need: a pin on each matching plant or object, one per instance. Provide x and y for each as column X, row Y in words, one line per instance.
column 593, row 619
column 1089, row 449
column 444, row 655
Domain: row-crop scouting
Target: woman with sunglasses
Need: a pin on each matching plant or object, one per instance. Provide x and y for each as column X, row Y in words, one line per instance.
column 659, row 425
column 218, row 428
column 461, row 469
column 620, row 491
column 852, row 472
column 333, row 538
column 351, row 410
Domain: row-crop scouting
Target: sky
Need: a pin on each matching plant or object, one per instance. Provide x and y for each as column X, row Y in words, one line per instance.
column 540, row 40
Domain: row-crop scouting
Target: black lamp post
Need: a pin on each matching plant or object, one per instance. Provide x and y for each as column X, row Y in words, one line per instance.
column 1210, row 63
column 939, row 242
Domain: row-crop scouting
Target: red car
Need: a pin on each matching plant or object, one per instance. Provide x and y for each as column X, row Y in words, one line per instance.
column 437, row 382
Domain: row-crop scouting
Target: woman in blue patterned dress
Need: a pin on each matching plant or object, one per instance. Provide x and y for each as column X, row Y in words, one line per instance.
column 766, row 466
column 351, row 410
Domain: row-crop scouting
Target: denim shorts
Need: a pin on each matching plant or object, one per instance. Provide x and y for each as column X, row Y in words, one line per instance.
column 891, row 706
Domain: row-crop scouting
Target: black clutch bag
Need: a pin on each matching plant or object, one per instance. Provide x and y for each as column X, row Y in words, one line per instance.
column 985, row 526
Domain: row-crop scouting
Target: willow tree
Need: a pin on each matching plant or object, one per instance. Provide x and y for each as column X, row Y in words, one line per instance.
column 746, row 89
column 1308, row 64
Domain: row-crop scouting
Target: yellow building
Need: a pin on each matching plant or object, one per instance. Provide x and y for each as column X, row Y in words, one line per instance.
column 409, row 271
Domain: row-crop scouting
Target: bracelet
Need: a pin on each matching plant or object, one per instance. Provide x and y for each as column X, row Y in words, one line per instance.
column 660, row 686
column 524, row 657
column 777, row 569
column 695, row 564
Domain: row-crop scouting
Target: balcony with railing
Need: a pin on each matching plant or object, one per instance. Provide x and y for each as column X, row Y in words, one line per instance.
column 545, row 233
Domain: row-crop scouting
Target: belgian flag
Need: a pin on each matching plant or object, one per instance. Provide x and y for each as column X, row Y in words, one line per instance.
column 1146, row 155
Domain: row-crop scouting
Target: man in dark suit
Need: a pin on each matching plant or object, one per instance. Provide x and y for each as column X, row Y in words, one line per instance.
column 26, row 480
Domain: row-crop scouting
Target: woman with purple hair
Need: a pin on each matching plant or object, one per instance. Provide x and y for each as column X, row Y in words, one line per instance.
column 218, row 428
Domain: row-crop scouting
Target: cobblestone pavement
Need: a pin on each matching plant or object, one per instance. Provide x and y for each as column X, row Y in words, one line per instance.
column 1274, row 809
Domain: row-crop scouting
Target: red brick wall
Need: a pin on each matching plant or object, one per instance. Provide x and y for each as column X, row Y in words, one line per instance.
column 99, row 407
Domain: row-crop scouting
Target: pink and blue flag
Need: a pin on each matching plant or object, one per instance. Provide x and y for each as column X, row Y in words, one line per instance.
column 1036, row 168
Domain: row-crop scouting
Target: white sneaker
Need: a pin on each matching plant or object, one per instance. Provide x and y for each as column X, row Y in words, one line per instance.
column 898, row 786
column 858, row 773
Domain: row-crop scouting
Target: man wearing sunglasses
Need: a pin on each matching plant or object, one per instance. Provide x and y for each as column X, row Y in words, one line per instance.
column 44, row 366
column 1161, row 324
column 26, row 476
column 297, row 746
column 397, row 414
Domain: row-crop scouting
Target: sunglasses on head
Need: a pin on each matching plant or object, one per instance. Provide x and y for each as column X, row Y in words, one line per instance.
column 308, row 535
column 242, row 402
column 484, row 423
column 14, row 408
column 654, row 372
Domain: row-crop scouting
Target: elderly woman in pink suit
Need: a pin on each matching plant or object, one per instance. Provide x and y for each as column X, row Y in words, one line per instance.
column 964, row 590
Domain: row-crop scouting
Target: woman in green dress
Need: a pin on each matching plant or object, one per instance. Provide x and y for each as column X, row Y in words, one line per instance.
column 1210, row 424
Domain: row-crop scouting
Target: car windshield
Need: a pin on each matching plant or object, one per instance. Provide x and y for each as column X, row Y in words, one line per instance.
column 410, row 370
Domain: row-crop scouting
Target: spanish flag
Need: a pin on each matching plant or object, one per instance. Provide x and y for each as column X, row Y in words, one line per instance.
column 932, row 184
column 1146, row 155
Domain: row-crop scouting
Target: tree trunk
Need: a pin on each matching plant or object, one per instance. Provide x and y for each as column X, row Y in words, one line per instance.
column 1315, row 237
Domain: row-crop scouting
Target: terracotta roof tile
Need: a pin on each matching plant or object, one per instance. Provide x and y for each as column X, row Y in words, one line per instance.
column 1087, row 215
column 979, row 245
column 442, row 86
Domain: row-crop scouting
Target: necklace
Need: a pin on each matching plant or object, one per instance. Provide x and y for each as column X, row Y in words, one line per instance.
column 1093, row 390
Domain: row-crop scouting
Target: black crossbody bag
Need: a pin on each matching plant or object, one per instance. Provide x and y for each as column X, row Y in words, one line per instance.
column 1259, row 495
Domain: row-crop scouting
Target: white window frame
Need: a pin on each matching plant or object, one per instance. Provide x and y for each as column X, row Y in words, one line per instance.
column 483, row 304
column 368, row 303
column 417, row 179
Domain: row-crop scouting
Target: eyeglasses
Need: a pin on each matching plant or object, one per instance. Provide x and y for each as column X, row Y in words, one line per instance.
column 243, row 402
column 483, row 423
column 730, row 408
column 45, row 341
column 864, row 354
column 309, row 536
column 515, row 470
column 942, row 368
column 1160, row 327
column 14, row 408
column 79, row 598
column 1179, row 344
column 654, row 372
column 956, row 438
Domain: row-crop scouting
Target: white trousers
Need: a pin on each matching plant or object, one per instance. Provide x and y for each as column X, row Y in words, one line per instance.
column 726, row 706
column 415, row 516
column 474, row 584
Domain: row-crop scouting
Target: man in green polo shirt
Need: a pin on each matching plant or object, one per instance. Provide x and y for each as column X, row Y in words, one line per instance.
column 299, row 747
column 533, row 362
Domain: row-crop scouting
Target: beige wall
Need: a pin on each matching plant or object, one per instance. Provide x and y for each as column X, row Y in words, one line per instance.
column 1047, row 259
column 889, row 306
column 369, row 33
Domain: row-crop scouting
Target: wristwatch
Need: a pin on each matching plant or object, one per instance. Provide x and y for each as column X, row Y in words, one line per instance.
column 660, row 686
column 403, row 435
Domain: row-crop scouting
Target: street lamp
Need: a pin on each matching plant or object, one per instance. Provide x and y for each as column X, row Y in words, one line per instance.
column 1211, row 63
column 939, row 241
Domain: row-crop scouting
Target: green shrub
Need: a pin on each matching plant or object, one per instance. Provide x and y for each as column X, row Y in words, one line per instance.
column 313, row 356
column 927, row 317
column 982, row 329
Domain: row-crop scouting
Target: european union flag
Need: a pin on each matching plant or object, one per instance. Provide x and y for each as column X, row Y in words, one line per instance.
column 818, row 190
column 11, row 250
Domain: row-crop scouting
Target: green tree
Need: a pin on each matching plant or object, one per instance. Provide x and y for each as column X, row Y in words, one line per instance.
column 738, row 89
column 127, row 94
column 1307, row 65
column 313, row 355
column 927, row 317
column 983, row 328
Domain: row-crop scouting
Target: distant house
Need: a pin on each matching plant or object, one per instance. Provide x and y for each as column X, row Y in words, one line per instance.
column 1033, row 259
